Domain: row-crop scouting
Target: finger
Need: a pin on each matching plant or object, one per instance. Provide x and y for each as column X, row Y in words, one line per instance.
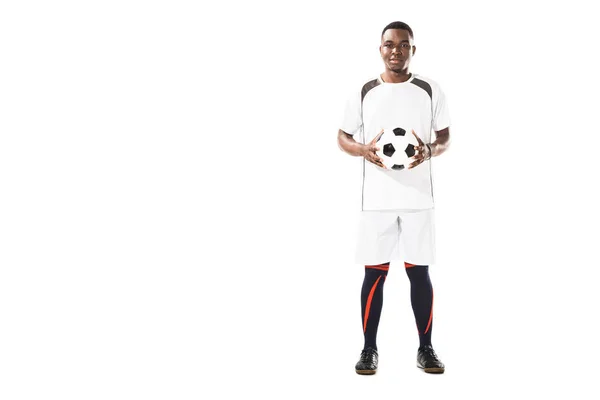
column 424, row 151
column 378, row 161
column 418, row 156
column 414, row 164
column 379, row 164
column 418, row 138
column 377, row 137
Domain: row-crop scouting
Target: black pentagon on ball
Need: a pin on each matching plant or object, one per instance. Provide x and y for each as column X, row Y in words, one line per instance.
column 388, row 149
column 410, row 150
column 399, row 132
column 397, row 167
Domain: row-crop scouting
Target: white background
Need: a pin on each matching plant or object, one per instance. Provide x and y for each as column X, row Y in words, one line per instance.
column 177, row 221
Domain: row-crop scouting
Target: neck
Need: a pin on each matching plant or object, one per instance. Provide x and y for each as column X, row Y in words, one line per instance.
column 395, row 76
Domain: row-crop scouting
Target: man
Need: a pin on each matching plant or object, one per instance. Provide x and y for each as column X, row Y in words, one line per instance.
column 397, row 214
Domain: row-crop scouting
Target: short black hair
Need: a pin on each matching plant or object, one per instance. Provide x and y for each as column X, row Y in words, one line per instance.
column 398, row 25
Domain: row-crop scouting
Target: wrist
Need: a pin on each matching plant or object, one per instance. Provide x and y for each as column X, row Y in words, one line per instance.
column 362, row 149
column 431, row 149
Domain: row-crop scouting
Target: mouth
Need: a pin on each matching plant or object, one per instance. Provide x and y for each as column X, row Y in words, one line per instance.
column 395, row 60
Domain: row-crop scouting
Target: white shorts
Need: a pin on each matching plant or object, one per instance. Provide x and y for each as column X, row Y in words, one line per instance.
column 384, row 236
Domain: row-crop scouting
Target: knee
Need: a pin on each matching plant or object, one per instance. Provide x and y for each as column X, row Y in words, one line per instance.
column 409, row 265
column 378, row 266
column 377, row 270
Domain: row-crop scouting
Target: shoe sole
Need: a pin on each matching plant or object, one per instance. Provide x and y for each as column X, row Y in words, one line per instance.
column 432, row 370
column 366, row 371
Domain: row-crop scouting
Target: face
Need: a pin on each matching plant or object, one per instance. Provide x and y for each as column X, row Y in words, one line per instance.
column 396, row 49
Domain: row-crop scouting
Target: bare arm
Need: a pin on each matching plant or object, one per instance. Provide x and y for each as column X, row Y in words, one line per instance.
column 433, row 149
column 441, row 142
column 349, row 145
column 352, row 147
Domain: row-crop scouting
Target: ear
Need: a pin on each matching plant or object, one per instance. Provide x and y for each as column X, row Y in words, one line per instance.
column 414, row 50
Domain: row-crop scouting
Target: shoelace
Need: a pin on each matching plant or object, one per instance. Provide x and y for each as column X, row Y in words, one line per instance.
column 367, row 356
column 429, row 351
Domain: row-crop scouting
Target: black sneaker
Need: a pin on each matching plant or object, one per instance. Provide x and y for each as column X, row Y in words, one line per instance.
column 428, row 361
column 367, row 365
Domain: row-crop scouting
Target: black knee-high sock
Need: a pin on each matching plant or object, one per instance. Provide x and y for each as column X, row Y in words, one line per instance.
column 372, row 301
column 421, row 297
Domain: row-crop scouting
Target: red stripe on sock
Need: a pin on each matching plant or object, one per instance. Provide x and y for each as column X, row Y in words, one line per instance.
column 368, row 308
column 377, row 267
column 430, row 315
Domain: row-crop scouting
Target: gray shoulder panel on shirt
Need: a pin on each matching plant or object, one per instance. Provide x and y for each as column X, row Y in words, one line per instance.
column 368, row 86
column 423, row 85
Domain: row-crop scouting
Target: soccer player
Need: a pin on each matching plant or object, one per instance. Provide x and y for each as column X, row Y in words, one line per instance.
column 397, row 216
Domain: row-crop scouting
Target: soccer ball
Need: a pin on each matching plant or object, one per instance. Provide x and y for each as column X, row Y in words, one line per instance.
column 396, row 147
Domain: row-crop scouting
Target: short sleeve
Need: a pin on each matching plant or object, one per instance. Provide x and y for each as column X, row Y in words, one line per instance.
column 441, row 116
column 352, row 120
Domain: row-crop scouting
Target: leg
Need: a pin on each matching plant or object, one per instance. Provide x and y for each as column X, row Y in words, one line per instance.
column 377, row 245
column 421, row 297
column 372, row 301
column 418, row 238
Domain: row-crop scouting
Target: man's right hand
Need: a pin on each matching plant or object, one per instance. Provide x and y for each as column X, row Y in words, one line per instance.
column 369, row 152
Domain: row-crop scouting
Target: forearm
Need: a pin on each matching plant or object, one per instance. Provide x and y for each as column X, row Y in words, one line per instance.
column 347, row 143
column 438, row 148
column 441, row 142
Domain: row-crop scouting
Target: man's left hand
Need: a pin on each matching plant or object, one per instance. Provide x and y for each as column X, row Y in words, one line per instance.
column 422, row 152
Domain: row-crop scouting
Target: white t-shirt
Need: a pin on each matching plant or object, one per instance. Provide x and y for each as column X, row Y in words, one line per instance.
column 417, row 104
